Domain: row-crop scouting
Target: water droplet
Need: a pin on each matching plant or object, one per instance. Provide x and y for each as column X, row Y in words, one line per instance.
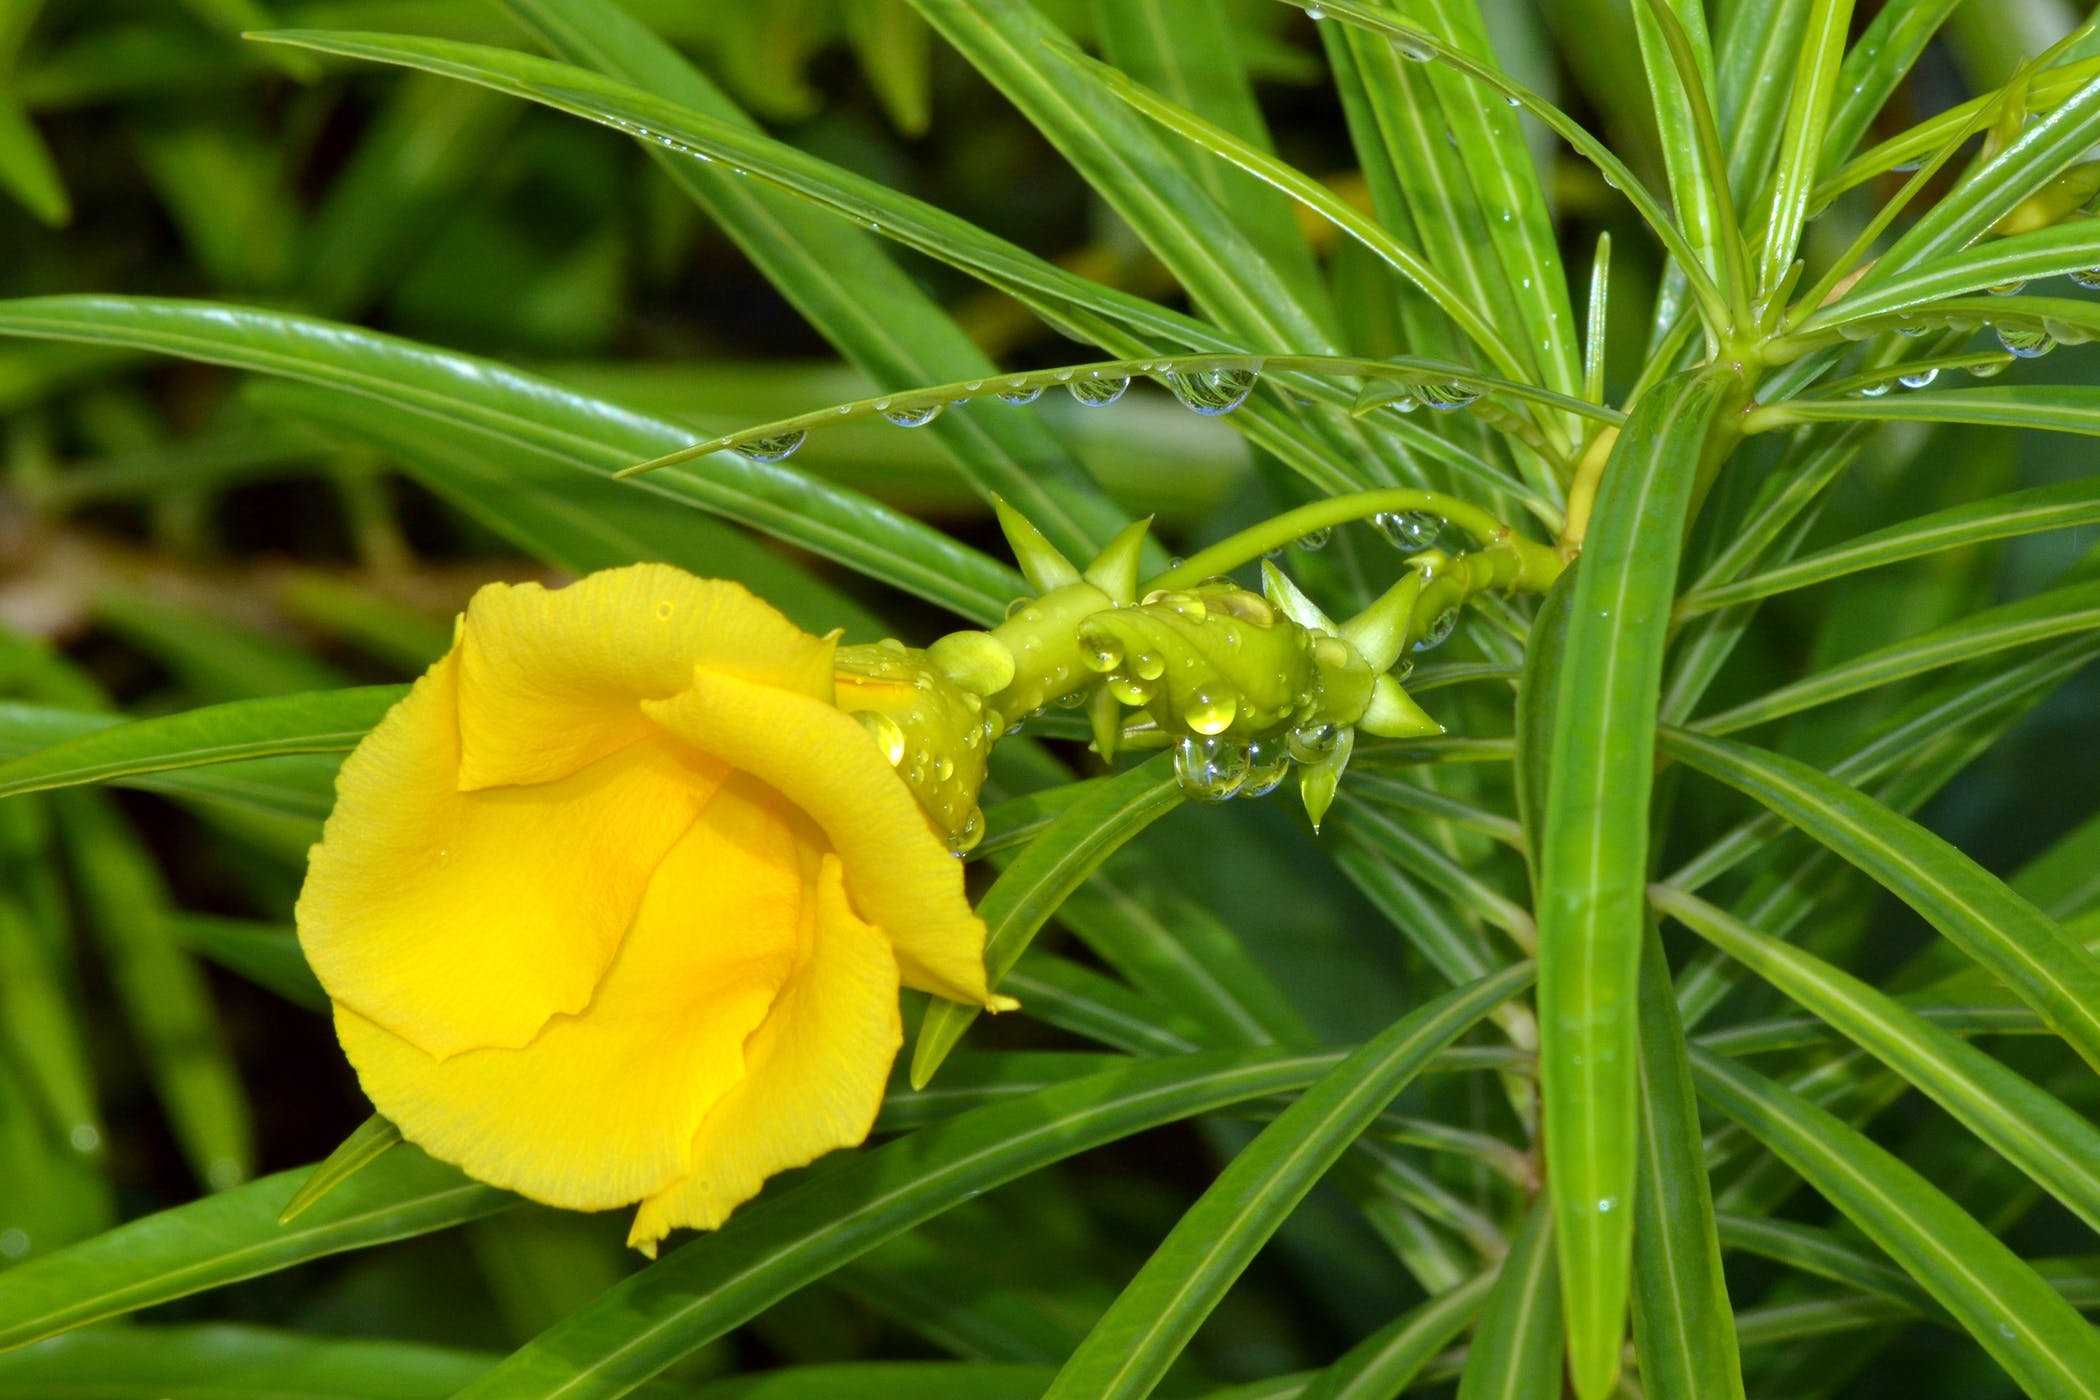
column 777, row 447
column 1132, row 689
column 964, row 841
column 888, row 737
column 1409, row 530
column 1910, row 326
column 1907, row 167
column 1209, row 770
column 1020, row 393
column 1919, row 378
column 2088, row 277
column 2008, row 289
column 917, row 417
column 1099, row 390
column 1247, row 607
column 1181, row 604
column 14, row 1242
column 1212, row 392
column 1315, row 742
column 664, row 609
column 1872, row 391
column 1438, row 630
column 1315, row 13
column 1403, row 402
column 85, row 1137
column 1412, row 49
column 1447, row 398
column 943, row 768
column 1099, row 649
column 1268, row 762
column 1989, row 369
column 2027, row 344
column 1071, row 700
column 1607, row 1205
column 974, row 385
column 1316, row 539
column 1211, row 709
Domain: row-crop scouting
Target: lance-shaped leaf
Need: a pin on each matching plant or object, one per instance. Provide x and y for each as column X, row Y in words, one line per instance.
column 1593, row 856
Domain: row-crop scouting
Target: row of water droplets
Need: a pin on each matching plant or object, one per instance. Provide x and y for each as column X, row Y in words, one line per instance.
column 1410, row 532
column 1211, row 391
column 2025, row 343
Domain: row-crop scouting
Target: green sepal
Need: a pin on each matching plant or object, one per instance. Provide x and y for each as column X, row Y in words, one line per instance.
column 1284, row 594
column 1115, row 569
column 1380, row 632
column 1317, row 781
column 1041, row 563
column 976, row 661
column 1393, row 714
column 1105, row 713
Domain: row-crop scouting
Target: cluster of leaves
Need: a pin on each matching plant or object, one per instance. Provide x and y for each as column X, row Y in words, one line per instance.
column 1803, row 1086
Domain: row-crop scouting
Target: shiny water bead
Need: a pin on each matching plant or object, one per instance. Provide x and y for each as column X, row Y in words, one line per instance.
column 1989, row 369
column 1316, row 539
column 1438, row 630
column 886, row 733
column 2007, row 289
column 1211, row 709
column 964, row 839
column 1268, row 764
column 1132, row 690
column 2027, row 344
column 1099, row 648
column 1403, row 401
column 1412, row 49
column 1918, row 378
column 1408, row 530
column 1448, row 398
column 1212, row 392
column 1874, row 390
column 776, row 447
column 1331, row 652
column 1209, row 770
column 1247, row 607
column 1148, row 665
column 1313, row 743
column 917, row 417
column 1098, row 390
column 1019, row 392
column 2088, row 277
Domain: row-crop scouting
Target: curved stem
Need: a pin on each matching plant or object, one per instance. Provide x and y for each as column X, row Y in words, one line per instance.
column 1537, row 565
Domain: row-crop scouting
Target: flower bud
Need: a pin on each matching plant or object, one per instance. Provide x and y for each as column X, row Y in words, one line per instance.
column 937, row 734
column 1209, row 660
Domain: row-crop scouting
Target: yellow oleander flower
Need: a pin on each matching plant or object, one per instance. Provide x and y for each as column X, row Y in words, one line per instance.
column 614, row 905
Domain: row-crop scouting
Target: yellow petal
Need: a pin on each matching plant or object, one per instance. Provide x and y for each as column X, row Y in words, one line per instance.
column 601, row 1109
column 898, row 873
column 550, row 678
column 461, row 919
column 814, row 1073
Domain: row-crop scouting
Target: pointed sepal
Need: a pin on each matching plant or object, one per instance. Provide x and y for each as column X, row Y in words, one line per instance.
column 1115, row 569
column 1379, row 632
column 1317, row 781
column 1105, row 713
column 1286, row 598
column 1395, row 715
column 1041, row 563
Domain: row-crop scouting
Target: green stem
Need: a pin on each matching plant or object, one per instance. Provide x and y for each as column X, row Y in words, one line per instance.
column 1537, row 565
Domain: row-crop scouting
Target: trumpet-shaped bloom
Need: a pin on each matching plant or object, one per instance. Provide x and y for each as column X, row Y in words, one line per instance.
column 614, row 905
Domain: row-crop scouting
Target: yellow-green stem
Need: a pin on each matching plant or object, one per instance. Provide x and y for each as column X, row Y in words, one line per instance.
column 1537, row 564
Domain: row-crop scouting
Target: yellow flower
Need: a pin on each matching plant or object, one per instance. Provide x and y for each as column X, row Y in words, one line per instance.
column 614, row 905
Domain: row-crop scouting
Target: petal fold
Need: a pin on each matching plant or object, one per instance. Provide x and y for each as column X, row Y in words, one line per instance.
column 898, row 874
column 463, row 919
column 551, row 678
column 602, row 1108
column 814, row 1073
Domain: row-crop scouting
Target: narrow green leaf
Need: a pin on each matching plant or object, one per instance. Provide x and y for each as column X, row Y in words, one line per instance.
column 591, row 434
column 162, row 992
column 2062, row 408
column 44, row 1033
column 329, row 721
column 1073, row 846
column 2059, row 507
column 266, row 954
column 1999, row 1300
column 1824, row 1254
column 1146, row 1328
column 230, row 1236
column 1387, row 1362
column 366, row 1144
column 1874, row 68
column 1516, row 1350
column 1593, row 852
column 2058, row 613
column 771, row 1248
column 1801, row 146
column 836, row 274
column 2071, row 246
column 2048, row 969
column 1677, row 57
column 1683, row 1326
column 2027, row 1126
column 224, row 1361
column 27, row 170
